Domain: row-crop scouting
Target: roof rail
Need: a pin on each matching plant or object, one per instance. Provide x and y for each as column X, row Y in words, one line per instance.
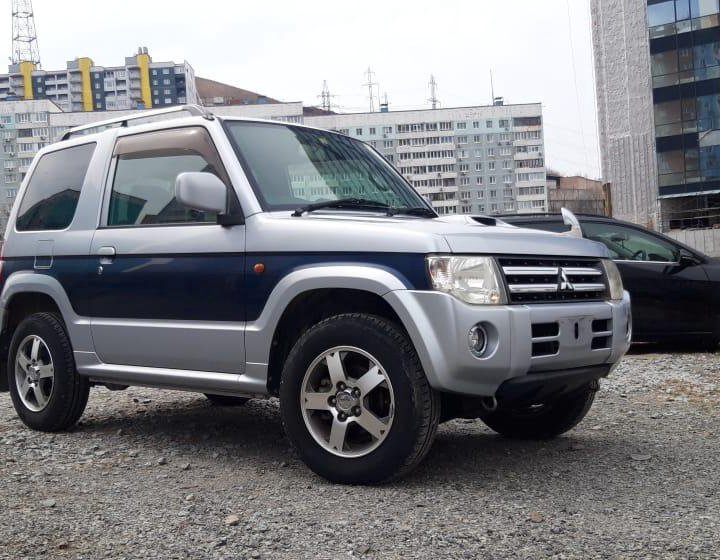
column 194, row 110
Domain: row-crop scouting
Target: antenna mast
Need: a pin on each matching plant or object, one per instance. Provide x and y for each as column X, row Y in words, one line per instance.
column 370, row 75
column 433, row 92
column 492, row 89
column 24, row 36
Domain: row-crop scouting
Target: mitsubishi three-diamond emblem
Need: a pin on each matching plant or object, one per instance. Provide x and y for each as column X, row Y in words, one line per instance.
column 564, row 284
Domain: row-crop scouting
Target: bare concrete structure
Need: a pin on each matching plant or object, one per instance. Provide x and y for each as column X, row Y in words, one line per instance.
column 625, row 108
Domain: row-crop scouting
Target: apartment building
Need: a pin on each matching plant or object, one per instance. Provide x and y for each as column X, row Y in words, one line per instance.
column 24, row 129
column 140, row 83
column 465, row 160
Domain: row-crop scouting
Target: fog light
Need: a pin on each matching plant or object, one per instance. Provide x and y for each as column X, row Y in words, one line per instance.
column 477, row 340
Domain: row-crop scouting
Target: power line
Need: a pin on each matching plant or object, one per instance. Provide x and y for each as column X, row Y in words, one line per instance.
column 577, row 91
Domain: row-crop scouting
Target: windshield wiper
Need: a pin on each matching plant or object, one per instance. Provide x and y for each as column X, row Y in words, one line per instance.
column 421, row 211
column 342, row 203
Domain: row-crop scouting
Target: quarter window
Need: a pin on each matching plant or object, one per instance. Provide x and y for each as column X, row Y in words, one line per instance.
column 54, row 189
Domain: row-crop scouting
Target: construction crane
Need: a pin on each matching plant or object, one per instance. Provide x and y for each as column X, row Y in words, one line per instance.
column 24, row 36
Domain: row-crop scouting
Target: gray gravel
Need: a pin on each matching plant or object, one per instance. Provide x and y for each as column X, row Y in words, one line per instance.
column 151, row 474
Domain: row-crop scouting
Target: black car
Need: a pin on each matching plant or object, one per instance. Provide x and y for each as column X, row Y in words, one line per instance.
column 675, row 290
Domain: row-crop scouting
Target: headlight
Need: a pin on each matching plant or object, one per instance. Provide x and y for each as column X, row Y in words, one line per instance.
column 614, row 279
column 471, row 279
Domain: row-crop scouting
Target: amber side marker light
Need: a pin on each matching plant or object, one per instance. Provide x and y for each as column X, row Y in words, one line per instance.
column 259, row 268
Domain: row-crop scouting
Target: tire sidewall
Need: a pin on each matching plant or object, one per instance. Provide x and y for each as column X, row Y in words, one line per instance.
column 63, row 367
column 398, row 444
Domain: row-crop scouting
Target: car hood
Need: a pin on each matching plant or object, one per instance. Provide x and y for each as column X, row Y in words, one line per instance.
column 346, row 231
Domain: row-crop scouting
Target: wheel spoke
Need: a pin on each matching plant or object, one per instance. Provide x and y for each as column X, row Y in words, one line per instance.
column 46, row 371
column 23, row 361
column 371, row 424
column 23, row 388
column 40, row 395
column 316, row 401
column 336, row 369
column 370, row 380
column 337, row 434
column 35, row 349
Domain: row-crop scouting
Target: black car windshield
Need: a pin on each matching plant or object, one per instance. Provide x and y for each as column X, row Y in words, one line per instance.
column 292, row 166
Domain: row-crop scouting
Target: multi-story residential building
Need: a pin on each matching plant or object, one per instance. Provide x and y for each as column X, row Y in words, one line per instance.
column 466, row 160
column 658, row 86
column 83, row 86
column 24, row 129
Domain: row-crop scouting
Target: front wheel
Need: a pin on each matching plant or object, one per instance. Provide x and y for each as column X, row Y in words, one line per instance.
column 543, row 420
column 355, row 402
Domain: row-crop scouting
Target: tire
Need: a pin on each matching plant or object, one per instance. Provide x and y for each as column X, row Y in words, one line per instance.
column 394, row 401
column 225, row 400
column 545, row 421
column 46, row 390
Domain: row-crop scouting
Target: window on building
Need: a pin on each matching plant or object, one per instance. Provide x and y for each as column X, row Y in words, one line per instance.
column 507, row 178
column 11, row 193
column 491, row 165
column 168, row 101
column 493, row 179
column 700, row 8
column 661, row 14
column 476, row 124
column 479, row 180
column 480, row 195
column 5, row 119
column 387, row 143
column 54, row 189
column 387, row 129
column 460, row 126
column 358, row 131
column 166, row 71
column 462, row 139
column 166, row 82
column 504, row 123
column 488, row 124
column 477, row 138
column 478, row 166
column 464, row 167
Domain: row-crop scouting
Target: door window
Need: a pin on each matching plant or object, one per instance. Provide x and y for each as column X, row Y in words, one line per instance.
column 143, row 192
column 147, row 166
column 630, row 244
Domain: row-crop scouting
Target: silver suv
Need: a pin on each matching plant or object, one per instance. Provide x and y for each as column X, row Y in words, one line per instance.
column 245, row 259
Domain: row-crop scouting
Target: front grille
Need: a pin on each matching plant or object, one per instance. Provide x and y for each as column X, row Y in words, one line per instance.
column 548, row 280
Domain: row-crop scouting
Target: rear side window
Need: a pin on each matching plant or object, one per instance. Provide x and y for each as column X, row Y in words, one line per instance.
column 53, row 192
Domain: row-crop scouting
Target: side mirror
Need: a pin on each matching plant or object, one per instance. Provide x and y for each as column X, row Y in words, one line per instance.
column 619, row 237
column 201, row 191
column 688, row 259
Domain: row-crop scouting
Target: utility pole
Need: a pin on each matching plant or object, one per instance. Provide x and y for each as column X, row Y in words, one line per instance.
column 24, row 36
column 492, row 89
column 433, row 92
column 325, row 97
column 370, row 84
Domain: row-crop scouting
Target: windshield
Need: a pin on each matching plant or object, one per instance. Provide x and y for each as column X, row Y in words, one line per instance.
column 291, row 166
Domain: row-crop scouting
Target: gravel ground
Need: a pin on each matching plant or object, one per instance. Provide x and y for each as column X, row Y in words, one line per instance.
column 151, row 474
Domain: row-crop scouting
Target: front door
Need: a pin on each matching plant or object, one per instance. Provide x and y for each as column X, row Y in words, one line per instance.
column 166, row 286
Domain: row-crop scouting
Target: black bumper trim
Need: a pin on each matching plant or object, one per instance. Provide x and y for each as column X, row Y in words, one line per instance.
column 542, row 386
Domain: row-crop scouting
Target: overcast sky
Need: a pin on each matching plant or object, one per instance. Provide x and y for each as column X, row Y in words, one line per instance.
column 539, row 50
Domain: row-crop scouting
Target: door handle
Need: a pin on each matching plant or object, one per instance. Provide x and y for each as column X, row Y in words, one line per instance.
column 106, row 254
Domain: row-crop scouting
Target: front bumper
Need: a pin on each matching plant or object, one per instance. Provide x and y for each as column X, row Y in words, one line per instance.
column 523, row 340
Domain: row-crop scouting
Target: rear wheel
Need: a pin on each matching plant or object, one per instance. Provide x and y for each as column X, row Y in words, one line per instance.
column 355, row 401
column 225, row 400
column 543, row 420
column 47, row 392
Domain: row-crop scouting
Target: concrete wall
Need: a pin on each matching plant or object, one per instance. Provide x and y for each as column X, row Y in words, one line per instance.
column 704, row 240
column 625, row 109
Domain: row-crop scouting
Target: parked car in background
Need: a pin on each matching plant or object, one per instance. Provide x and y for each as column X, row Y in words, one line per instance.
column 674, row 289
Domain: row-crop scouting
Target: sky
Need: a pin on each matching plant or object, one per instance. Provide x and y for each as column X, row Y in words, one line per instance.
column 538, row 51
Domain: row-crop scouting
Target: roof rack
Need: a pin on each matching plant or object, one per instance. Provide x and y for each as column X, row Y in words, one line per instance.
column 194, row 110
